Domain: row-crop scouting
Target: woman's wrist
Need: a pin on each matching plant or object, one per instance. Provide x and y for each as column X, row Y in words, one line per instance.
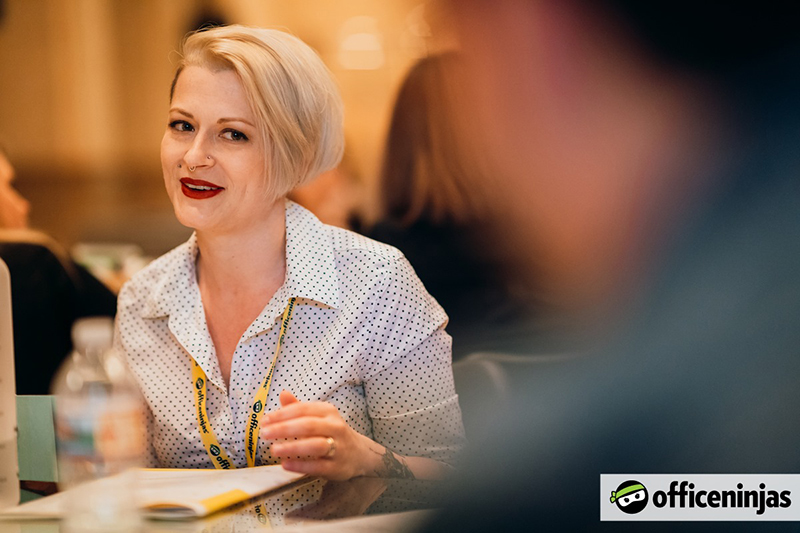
column 380, row 461
column 370, row 457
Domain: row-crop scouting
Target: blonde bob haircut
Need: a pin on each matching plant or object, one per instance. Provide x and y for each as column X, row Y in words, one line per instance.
column 297, row 104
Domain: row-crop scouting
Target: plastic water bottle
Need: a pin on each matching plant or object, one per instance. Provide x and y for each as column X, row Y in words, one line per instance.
column 9, row 474
column 99, row 432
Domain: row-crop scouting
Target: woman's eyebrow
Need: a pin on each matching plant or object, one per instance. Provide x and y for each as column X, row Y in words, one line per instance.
column 181, row 111
column 234, row 119
column 220, row 121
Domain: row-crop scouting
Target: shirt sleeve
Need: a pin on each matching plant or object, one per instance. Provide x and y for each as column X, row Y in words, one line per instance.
column 413, row 403
column 407, row 374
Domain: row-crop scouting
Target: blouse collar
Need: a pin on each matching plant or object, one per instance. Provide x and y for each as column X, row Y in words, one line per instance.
column 310, row 273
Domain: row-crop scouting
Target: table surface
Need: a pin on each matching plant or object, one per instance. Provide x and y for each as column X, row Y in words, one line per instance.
column 360, row 504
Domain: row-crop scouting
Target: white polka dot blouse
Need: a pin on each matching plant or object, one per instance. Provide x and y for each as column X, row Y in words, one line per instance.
column 365, row 336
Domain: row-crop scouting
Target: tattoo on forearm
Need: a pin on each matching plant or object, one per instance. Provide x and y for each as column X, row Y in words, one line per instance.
column 393, row 466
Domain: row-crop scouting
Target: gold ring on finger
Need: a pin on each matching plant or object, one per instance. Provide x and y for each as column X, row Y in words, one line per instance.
column 331, row 448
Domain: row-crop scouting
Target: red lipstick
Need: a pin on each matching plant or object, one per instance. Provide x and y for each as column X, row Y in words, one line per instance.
column 199, row 189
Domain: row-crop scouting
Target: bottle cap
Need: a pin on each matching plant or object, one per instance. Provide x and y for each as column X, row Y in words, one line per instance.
column 96, row 333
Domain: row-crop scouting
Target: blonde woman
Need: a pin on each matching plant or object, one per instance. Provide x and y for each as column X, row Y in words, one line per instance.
column 270, row 337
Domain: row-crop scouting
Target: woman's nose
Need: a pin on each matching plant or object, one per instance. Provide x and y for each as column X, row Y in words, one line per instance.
column 198, row 153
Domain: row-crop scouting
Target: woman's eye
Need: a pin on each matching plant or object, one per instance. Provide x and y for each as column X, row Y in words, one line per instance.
column 234, row 135
column 181, row 125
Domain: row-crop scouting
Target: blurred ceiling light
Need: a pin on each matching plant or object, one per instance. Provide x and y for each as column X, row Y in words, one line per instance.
column 361, row 44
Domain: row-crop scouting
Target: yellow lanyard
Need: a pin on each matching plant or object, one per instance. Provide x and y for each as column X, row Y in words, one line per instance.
column 212, row 445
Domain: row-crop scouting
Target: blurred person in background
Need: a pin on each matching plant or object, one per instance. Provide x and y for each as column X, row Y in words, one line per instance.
column 49, row 291
column 432, row 213
column 648, row 172
column 14, row 208
column 325, row 336
column 335, row 197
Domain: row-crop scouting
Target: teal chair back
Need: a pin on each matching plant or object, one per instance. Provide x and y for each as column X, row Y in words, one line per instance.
column 36, row 441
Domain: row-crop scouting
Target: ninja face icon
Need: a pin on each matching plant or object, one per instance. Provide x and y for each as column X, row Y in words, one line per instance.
column 631, row 497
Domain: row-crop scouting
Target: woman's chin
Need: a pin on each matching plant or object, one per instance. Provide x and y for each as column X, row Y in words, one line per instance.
column 195, row 221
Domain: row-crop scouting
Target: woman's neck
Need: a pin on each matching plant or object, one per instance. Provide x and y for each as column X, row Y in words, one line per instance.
column 249, row 261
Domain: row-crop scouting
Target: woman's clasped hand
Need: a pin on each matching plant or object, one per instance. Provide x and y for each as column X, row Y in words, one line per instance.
column 313, row 438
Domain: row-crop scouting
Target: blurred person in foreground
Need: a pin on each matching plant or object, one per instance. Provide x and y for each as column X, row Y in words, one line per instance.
column 49, row 291
column 647, row 157
column 267, row 319
column 432, row 214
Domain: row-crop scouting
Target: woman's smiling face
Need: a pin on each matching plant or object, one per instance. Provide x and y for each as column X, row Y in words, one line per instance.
column 212, row 130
